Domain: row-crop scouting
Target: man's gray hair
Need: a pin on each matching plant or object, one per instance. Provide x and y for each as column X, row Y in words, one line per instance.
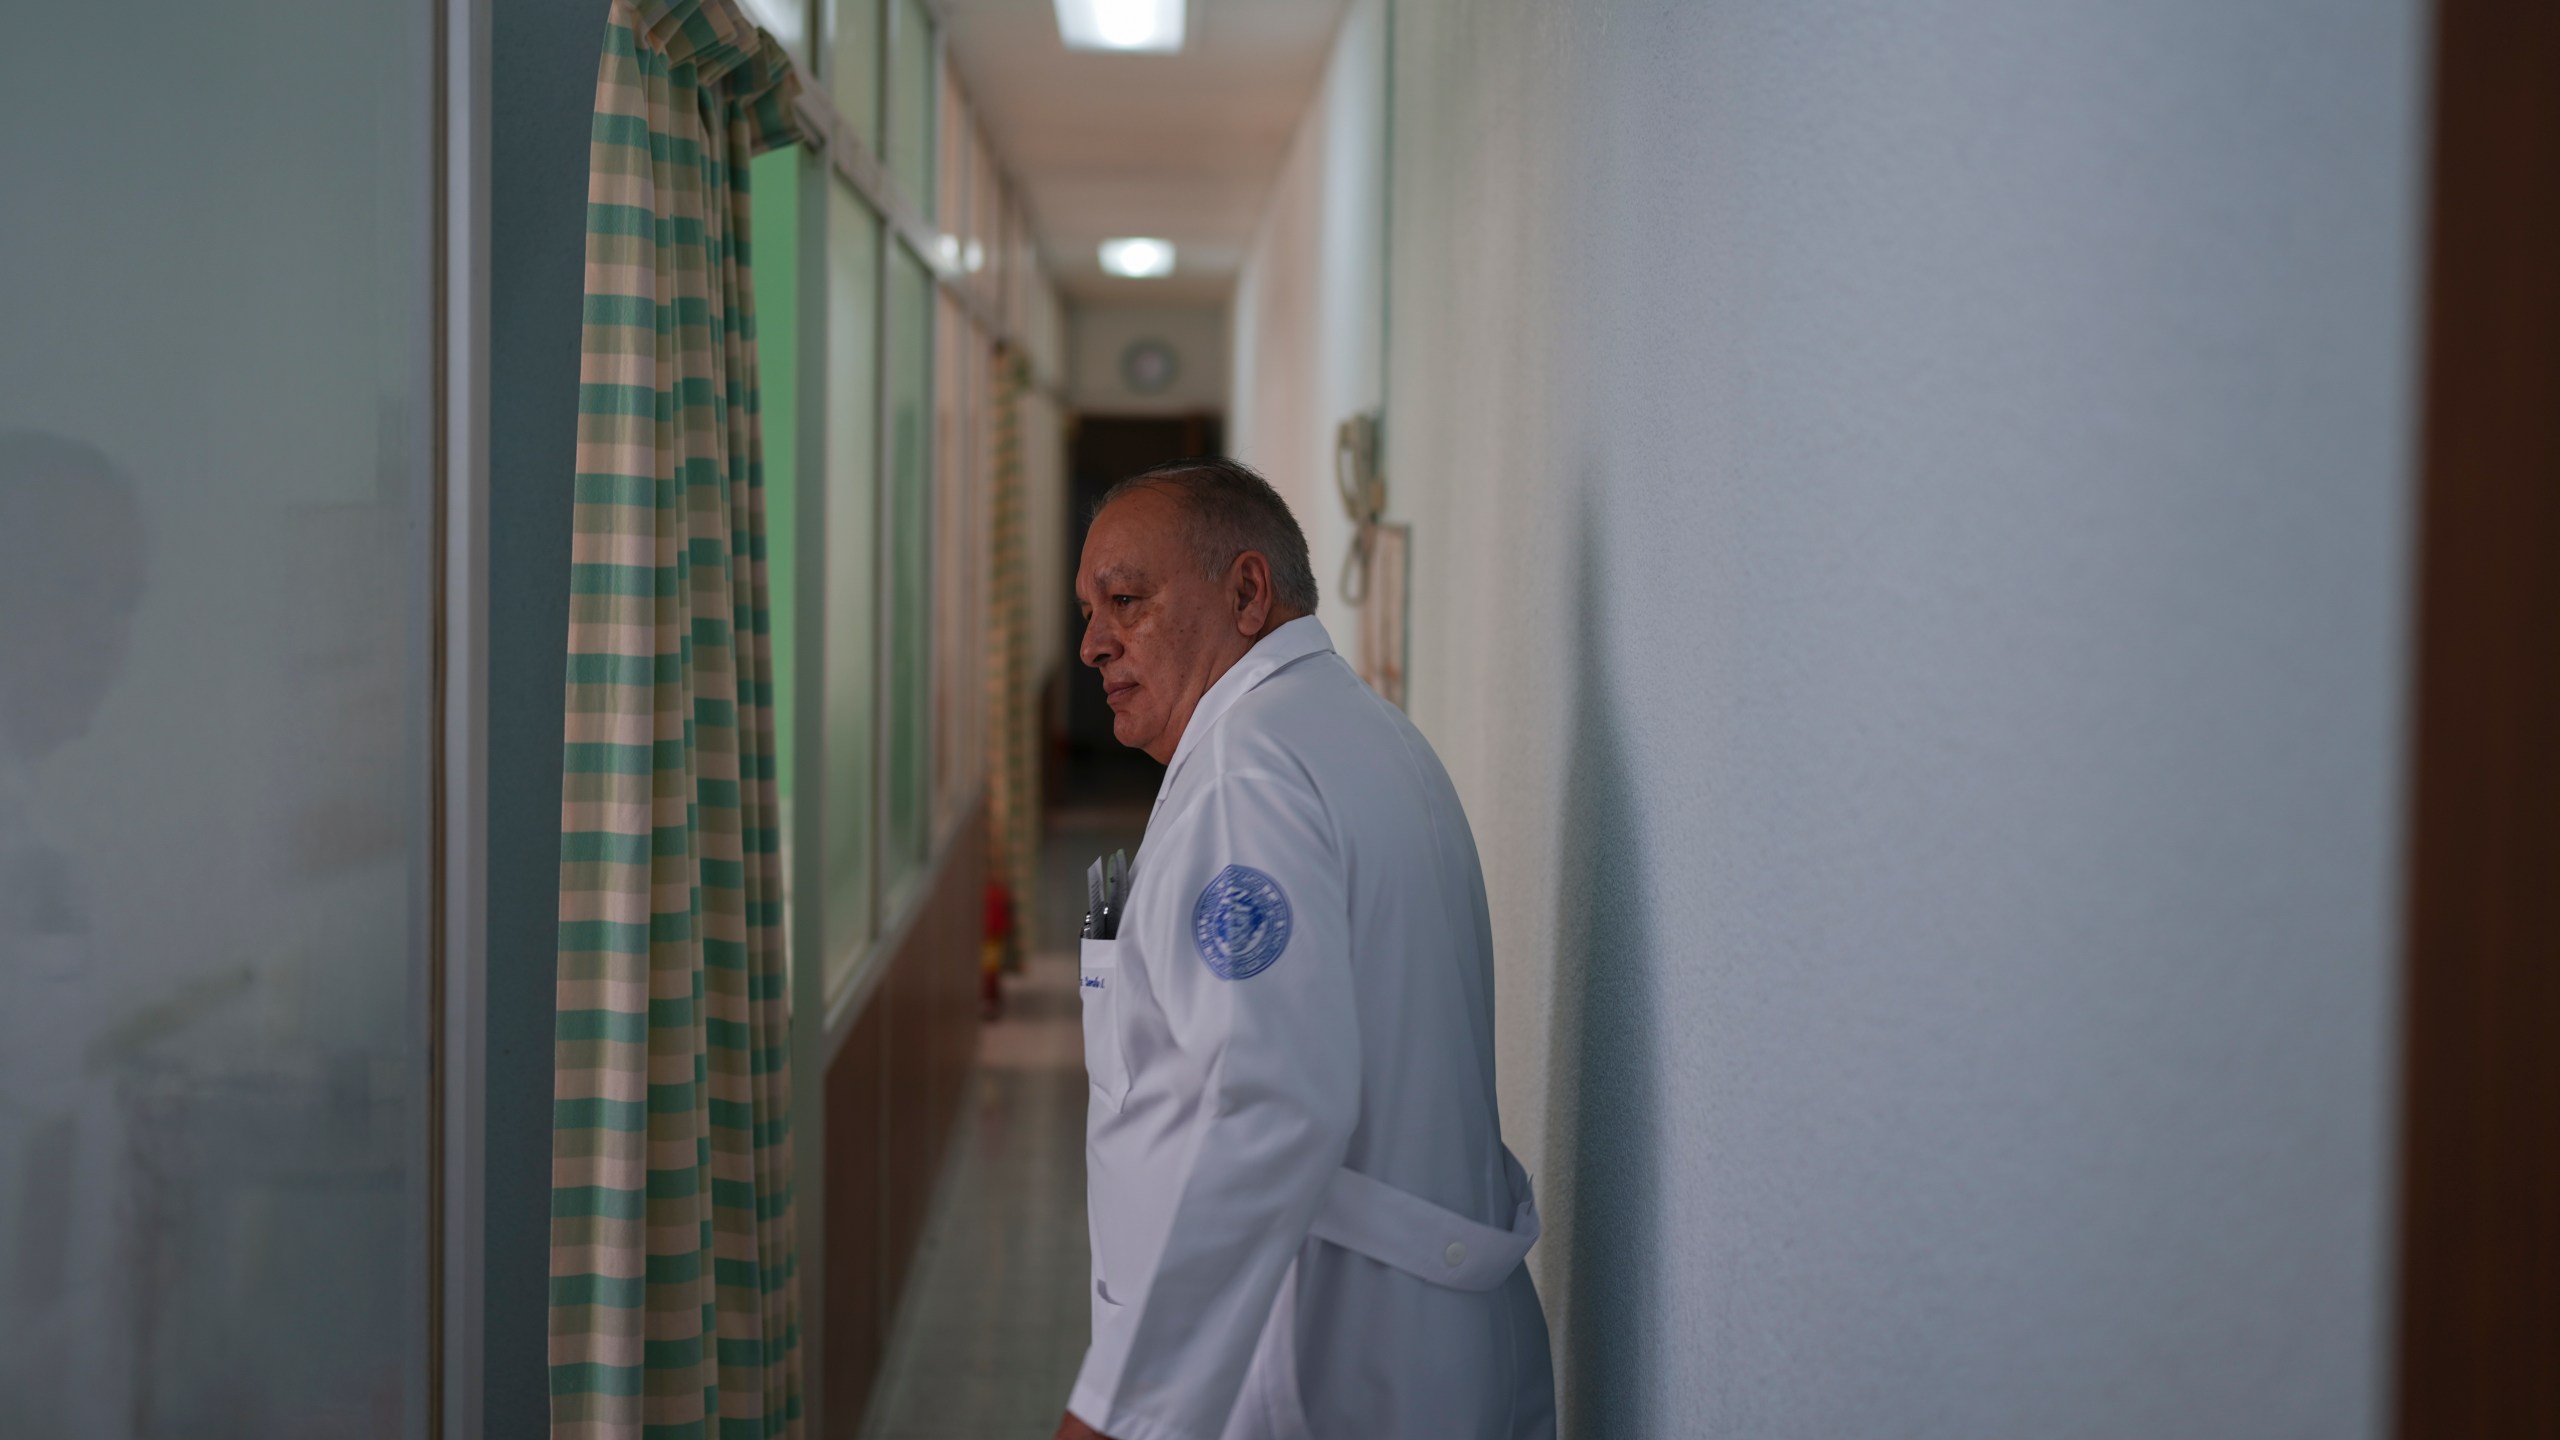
column 1233, row 509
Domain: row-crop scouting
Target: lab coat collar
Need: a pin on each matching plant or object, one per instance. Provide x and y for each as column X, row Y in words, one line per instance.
column 1296, row 640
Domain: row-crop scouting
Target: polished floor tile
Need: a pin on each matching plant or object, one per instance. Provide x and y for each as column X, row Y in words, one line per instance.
column 994, row 1320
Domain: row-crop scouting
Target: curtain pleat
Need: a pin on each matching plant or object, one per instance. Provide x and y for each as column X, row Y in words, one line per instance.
column 674, row 1308
column 1013, row 740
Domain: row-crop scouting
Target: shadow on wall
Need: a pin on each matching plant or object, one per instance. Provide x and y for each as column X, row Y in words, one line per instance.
column 1602, row 1100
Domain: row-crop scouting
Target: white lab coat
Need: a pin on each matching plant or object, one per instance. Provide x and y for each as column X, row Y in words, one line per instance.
column 1303, row 984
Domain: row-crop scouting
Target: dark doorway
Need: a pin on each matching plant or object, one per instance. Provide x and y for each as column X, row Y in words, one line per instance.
column 1094, row 768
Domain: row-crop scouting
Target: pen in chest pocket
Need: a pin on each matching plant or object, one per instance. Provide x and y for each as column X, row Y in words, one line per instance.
column 1115, row 893
column 1106, row 895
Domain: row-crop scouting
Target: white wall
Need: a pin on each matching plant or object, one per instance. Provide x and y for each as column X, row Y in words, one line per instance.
column 1910, row 511
column 1307, row 305
column 1098, row 335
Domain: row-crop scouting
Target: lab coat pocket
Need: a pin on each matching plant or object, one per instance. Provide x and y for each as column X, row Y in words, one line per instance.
column 1104, row 1062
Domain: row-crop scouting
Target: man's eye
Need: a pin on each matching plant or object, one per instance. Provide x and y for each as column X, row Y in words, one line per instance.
column 1124, row 599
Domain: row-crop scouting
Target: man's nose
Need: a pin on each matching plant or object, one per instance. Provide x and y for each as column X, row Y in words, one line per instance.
column 1096, row 649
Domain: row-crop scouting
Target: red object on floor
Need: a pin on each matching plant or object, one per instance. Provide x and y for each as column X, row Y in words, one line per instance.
column 999, row 903
column 999, row 931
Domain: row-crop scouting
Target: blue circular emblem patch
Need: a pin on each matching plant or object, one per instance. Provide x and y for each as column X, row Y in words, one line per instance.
column 1241, row 923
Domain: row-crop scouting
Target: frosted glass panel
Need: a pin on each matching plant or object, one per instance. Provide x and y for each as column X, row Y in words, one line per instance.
column 959, row 678
column 773, row 179
column 787, row 21
column 853, row 573
column 912, row 101
column 911, row 301
column 853, row 64
column 215, row 764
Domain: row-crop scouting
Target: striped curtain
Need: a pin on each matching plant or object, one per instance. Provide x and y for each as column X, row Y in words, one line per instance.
column 674, row 1308
column 1013, row 737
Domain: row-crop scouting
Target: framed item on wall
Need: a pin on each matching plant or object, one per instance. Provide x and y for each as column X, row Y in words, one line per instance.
column 1382, row 611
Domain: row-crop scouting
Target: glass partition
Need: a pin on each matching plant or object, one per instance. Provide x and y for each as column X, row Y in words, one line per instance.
column 773, row 180
column 853, row 575
column 788, row 22
column 217, row 511
column 959, row 639
column 853, row 64
column 913, row 101
column 909, row 561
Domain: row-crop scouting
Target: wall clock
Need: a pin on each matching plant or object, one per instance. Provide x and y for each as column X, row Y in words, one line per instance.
column 1148, row 366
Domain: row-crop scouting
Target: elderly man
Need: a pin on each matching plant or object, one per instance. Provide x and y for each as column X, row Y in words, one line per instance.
column 1304, row 1219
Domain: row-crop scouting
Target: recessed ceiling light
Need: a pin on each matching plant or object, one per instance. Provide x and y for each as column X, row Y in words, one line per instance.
column 1137, row 257
column 1152, row 25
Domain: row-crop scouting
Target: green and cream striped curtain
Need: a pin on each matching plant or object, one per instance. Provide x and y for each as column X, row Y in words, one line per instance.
column 674, row 1308
column 1013, row 737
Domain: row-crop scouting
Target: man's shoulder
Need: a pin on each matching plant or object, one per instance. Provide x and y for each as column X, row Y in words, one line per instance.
column 1312, row 698
column 1316, row 718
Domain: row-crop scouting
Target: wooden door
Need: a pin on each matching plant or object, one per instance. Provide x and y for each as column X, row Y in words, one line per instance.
column 2479, row 1305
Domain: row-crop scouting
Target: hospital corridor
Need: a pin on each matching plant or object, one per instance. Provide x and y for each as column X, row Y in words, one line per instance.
column 1280, row 720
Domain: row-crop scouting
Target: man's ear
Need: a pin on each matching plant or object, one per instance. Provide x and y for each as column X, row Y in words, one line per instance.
column 1250, row 587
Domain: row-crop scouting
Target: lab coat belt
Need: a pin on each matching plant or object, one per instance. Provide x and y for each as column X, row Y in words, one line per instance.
column 1369, row 1217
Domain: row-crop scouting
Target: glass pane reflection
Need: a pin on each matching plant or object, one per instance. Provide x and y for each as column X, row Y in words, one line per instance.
column 910, row 561
column 853, row 575
column 215, row 507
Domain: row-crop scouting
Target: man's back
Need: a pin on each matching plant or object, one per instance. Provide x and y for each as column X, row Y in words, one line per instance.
column 1421, row 941
column 1297, row 758
column 1422, row 959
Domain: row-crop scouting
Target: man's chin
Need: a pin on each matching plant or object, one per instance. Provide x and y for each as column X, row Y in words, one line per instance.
column 1131, row 732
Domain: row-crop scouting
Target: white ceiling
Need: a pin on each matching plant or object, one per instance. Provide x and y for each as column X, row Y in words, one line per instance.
column 1180, row 146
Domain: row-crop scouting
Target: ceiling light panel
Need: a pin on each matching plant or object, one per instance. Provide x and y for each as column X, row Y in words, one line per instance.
column 1153, row 26
column 1137, row 257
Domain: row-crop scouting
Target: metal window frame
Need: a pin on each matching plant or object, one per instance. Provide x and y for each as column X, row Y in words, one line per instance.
column 884, row 532
column 458, row 889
